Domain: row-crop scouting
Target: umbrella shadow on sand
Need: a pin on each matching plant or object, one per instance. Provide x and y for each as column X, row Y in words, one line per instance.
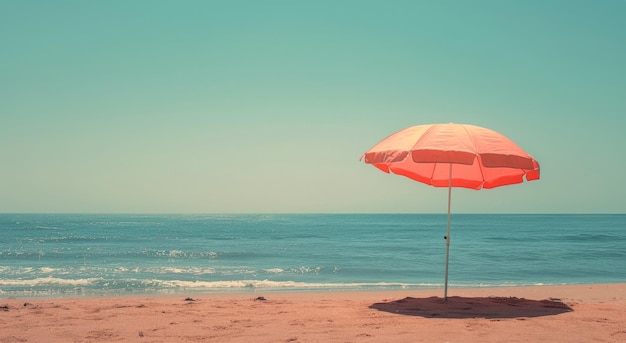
column 473, row 307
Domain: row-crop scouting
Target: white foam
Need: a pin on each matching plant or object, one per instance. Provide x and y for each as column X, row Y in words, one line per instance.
column 268, row 284
column 274, row 270
column 179, row 270
column 49, row 281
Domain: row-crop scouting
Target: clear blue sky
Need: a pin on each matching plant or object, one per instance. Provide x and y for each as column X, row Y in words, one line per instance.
column 266, row 106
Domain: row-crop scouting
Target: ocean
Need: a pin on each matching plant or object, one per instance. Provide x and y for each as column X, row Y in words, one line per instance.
column 59, row 255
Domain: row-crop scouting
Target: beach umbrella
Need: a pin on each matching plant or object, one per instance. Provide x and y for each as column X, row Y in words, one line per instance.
column 453, row 155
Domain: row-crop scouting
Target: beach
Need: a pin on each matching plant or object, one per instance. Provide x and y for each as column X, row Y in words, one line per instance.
column 311, row 278
column 564, row 313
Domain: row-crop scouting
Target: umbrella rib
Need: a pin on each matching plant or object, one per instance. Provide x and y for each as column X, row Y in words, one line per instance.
column 419, row 139
column 471, row 137
column 480, row 168
column 432, row 173
column 478, row 157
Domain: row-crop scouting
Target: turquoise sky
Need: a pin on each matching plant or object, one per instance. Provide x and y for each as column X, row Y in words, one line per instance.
column 266, row 106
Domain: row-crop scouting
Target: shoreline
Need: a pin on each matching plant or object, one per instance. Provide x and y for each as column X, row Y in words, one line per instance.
column 557, row 313
column 430, row 291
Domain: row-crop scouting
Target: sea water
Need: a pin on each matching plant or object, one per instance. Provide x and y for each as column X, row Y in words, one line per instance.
column 85, row 254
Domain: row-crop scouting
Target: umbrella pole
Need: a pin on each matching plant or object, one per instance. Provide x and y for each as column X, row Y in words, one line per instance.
column 445, row 289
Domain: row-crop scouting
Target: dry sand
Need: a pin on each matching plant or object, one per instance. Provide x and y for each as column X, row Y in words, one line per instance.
column 572, row 313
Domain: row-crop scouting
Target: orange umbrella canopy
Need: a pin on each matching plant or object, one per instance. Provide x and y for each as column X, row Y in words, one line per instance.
column 456, row 155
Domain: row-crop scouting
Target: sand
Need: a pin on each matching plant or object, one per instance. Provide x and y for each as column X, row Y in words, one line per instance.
column 570, row 313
